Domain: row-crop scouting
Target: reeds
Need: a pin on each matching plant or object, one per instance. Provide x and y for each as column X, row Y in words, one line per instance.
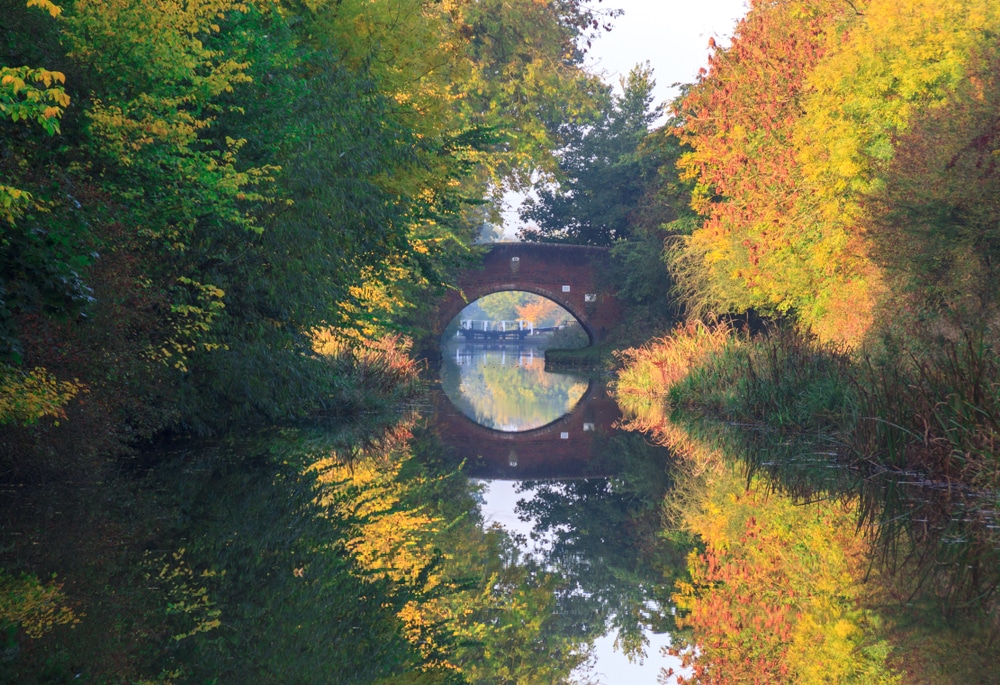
column 378, row 370
column 927, row 435
column 911, row 436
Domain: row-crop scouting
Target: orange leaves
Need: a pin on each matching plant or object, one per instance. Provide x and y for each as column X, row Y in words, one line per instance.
column 760, row 244
column 21, row 98
column 537, row 310
column 776, row 595
column 792, row 131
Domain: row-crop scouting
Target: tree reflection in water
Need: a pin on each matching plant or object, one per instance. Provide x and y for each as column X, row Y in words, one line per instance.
column 507, row 389
column 606, row 538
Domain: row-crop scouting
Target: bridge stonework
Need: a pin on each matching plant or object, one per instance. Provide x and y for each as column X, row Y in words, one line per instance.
column 569, row 275
column 567, row 448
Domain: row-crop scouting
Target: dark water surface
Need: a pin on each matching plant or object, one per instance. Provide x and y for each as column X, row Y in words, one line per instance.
column 501, row 530
column 417, row 548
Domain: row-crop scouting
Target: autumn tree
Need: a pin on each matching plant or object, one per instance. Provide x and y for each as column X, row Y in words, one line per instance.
column 754, row 250
column 539, row 311
column 232, row 176
column 792, row 129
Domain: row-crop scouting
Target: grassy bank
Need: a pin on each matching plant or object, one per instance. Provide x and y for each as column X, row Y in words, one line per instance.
column 892, row 449
column 593, row 358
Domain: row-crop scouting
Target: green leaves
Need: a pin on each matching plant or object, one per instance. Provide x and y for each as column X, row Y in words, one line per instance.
column 603, row 176
column 21, row 98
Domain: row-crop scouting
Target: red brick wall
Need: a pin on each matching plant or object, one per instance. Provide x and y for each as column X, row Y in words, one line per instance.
column 545, row 270
column 541, row 453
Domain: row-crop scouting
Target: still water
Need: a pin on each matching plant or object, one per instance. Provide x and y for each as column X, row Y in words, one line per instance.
column 506, row 536
column 560, row 428
column 506, row 388
column 500, row 531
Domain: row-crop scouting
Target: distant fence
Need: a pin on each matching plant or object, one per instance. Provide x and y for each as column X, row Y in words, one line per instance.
column 518, row 329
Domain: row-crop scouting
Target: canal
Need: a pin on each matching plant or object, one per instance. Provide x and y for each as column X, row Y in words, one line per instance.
column 555, row 473
column 497, row 530
column 507, row 527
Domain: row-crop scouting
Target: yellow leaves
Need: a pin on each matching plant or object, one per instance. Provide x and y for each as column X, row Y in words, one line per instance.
column 21, row 99
column 27, row 397
column 786, row 190
column 390, row 538
column 10, row 200
column 35, row 607
column 192, row 324
column 777, row 580
column 185, row 594
column 902, row 57
column 113, row 37
column 47, row 5
column 803, row 559
column 50, row 77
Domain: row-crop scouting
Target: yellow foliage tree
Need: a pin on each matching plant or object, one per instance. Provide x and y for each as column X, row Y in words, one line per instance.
column 35, row 607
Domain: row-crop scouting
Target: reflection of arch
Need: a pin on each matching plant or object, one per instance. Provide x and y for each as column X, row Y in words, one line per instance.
column 549, row 399
column 566, row 274
column 560, row 449
column 531, row 433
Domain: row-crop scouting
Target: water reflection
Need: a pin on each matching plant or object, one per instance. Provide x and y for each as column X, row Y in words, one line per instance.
column 602, row 536
column 506, row 388
column 353, row 554
column 584, row 504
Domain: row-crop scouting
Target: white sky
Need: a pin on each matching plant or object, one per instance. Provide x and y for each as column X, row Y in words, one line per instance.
column 671, row 34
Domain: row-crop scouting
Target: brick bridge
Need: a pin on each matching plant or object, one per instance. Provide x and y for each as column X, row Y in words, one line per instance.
column 563, row 449
column 569, row 275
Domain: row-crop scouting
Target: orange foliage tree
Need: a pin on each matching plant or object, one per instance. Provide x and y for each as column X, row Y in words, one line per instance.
column 537, row 310
column 759, row 245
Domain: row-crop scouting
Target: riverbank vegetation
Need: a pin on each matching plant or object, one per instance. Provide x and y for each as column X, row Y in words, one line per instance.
column 214, row 217
column 843, row 167
column 772, row 428
column 191, row 190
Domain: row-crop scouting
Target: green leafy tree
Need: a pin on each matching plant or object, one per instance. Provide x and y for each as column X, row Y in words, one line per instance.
column 602, row 175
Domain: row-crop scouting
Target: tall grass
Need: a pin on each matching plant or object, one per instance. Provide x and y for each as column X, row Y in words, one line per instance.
column 927, row 436
column 649, row 372
column 369, row 373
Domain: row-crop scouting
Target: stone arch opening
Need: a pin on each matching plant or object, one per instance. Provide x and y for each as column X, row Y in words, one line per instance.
column 519, row 316
column 497, row 378
column 569, row 275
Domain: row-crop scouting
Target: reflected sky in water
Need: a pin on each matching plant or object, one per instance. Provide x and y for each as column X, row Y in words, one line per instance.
column 507, row 388
column 609, row 666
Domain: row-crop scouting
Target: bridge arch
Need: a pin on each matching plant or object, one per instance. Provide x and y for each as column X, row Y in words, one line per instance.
column 562, row 449
column 569, row 275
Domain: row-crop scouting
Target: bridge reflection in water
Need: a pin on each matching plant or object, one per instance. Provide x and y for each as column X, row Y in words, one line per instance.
column 564, row 448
